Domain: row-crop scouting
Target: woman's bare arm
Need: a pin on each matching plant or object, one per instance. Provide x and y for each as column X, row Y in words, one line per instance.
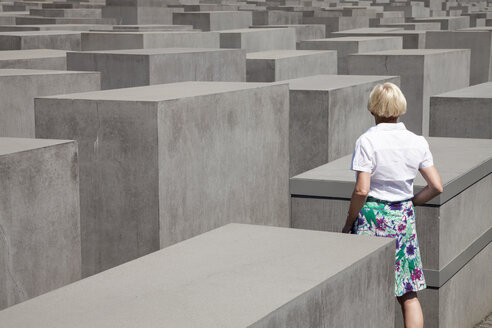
column 433, row 188
column 359, row 195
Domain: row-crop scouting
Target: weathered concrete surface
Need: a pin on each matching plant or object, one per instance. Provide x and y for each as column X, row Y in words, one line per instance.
column 62, row 40
column 149, row 39
column 139, row 67
column 19, row 87
column 303, row 31
column 278, row 65
column 447, row 23
column 214, row 20
column 423, row 72
column 163, row 163
column 51, row 27
column 480, row 44
column 327, row 115
column 411, row 39
column 139, row 11
column 34, row 59
column 463, row 113
column 335, row 24
column 39, row 218
column 447, row 227
column 254, row 40
column 234, row 276
column 352, row 45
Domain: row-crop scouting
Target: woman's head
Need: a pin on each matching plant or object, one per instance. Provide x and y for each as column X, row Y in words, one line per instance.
column 386, row 100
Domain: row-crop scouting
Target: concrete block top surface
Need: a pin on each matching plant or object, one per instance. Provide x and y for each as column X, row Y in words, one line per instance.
column 411, row 52
column 279, row 54
column 483, row 90
column 370, row 30
column 332, row 82
column 229, row 277
column 163, row 92
column 29, row 54
column 251, row 30
column 30, row 72
column 155, row 51
column 16, row 145
column 36, row 33
column 460, row 162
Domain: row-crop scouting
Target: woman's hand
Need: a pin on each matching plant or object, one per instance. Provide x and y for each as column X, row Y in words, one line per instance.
column 349, row 224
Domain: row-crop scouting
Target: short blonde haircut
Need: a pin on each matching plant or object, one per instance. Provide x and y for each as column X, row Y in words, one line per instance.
column 387, row 100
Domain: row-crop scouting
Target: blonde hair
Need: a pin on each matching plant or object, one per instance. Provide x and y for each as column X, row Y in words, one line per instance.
column 387, row 100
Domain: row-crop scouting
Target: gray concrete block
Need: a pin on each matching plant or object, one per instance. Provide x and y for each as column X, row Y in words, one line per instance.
column 34, row 59
column 33, row 20
column 276, row 17
column 480, row 44
column 163, row 163
column 335, row 24
column 327, row 115
column 235, row 276
column 214, row 20
column 144, row 40
column 254, row 40
column 54, row 27
column 139, row 67
column 303, row 31
column 151, row 27
column 278, row 65
column 62, row 40
column 464, row 113
column 411, row 39
column 72, row 12
column 19, row 87
column 416, row 26
column 352, row 45
column 423, row 72
column 39, row 218
column 448, row 23
column 136, row 13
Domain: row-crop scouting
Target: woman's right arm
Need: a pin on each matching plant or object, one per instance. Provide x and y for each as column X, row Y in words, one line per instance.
column 433, row 188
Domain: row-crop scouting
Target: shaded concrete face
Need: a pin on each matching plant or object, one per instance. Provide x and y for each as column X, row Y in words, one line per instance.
column 465, row 113
column 39, row 218
column 19, row 87
column 130, row 68
column 139, row 14
column 214, row 21
column 411, row 39
column 144, row 40
column 233, row 276
column 271, row 66
column 254, row 40
column 352, row 45
column 303, row 31
column 480, row 43
column 423, row 73
column 136, row 192
column 327, row 115
column 62, row 40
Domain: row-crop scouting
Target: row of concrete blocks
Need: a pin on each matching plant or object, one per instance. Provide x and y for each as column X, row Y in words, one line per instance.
column 162, row 163
column 421, row 73
column 264, row 39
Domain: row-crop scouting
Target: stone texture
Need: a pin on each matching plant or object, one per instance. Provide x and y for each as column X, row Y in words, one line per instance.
column 139, row 67
column 39, row 218
column 278, row 65
column 423, row 72
column 62, row 40
column 463, row 113
column 235, row 276
column 163, row 163
column 254, row 40
column 34, row 59
column 214, row 20
column 19, row 87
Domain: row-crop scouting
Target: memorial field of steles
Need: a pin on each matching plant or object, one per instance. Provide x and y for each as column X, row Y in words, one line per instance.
column 185, row 163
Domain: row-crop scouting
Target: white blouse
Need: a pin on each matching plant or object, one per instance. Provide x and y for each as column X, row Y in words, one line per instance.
column 393, row 155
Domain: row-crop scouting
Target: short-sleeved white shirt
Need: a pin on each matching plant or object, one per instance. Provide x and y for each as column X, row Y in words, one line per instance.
column 393, row 155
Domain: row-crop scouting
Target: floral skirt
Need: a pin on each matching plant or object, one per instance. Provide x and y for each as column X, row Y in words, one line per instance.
column 395, row 220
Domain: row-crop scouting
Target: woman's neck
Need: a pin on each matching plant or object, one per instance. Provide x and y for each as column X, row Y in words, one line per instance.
column 385, row 119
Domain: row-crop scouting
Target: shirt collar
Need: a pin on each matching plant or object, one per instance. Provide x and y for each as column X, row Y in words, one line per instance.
column 390, row 126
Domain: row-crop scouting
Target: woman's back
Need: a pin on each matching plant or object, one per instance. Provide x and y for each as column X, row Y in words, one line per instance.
column 393, row 155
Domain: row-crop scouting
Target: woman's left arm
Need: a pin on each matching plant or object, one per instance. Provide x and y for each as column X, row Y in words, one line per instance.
column 359, row 195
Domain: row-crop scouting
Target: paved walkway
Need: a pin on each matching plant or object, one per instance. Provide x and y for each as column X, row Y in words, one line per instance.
column 485, row 323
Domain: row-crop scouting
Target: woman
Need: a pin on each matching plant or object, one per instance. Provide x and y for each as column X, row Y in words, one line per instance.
column 386, row 160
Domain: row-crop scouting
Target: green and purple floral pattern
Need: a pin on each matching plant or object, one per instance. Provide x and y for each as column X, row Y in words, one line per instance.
column 395, row 220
